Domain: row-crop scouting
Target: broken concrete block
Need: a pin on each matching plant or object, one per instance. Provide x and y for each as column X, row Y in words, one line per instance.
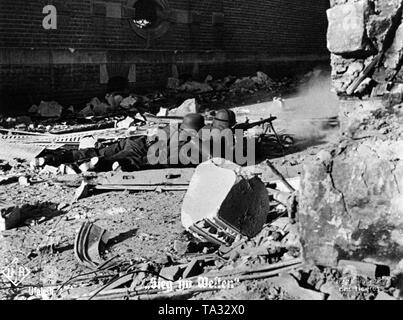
column 82, row 191
column 87, row 111
column 194, row 268
column 128, row 102
column 10, row 216
column 353, row 207
column 244, row 83
column 87, row 143
column 290, row 285
column 187, row 107
column 50, row 109
column 24, row 181
column 369, row 270
column 126, row 123
column 180, row 247
column 66, row 169
column 220, row 203
column 171, row 273
column 346, row 31
column 394, row 54
column 50, row 169
column 163, row 112
column 98, row 108
column 114, row 101
column 101, row 109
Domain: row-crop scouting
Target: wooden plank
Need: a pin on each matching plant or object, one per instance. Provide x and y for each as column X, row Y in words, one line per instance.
column 140, row 188
column 159, row 177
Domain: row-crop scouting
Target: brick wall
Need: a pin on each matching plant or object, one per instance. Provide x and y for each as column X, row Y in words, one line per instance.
column 65, row 64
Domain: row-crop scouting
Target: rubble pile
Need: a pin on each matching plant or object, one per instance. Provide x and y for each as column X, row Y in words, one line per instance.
column 50, row 116
column 350, row 201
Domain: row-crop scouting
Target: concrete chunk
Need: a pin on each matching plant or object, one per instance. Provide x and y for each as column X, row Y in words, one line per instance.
column 354, row 207
column 224, row 199
column 369, row 270
column 10, row 216
column 289, row 284
column 172, row 273
column 346, row 31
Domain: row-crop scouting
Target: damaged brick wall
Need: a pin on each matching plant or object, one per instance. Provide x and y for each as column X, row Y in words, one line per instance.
column 351, row 198
column 209, row 36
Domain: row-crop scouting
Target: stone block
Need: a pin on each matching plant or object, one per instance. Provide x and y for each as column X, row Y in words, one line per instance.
column 220, row 197
column 381, row 25
column 394, row 54
column 352, row 209
column 10, row 216
column 346, row 30
column 369, row 270
column 290, row 285
column 172, row 273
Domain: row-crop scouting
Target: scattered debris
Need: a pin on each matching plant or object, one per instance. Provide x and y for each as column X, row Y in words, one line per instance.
column 50, row 109
column 88, row 143
column 171, row 273
column 87, row 244
column 24, row 181
column 189, row 106
column 82, row 191
column 369, row 270
column 288, row 283
column 10, row 216
column 180, row 247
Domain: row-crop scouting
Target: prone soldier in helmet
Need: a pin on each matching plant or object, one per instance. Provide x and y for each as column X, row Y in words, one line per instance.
column 190, row 144
column 129, row 154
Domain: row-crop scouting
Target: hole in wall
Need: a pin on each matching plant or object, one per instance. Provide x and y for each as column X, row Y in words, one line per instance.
column 147, row 14
column 151, row 18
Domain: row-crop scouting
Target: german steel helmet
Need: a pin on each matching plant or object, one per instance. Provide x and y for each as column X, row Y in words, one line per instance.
column 224, row 119
column 193, row 121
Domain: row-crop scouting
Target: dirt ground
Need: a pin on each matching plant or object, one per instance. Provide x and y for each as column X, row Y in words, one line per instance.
column 143, row 225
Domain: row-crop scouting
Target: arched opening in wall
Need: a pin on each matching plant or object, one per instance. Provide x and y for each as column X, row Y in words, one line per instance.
column 151, row 18
column 117, row 84
column 146, row 14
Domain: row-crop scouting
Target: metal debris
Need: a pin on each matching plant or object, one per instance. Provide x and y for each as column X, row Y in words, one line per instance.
column 87, row 244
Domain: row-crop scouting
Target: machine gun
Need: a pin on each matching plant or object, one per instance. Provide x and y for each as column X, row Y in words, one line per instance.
column 246, row 125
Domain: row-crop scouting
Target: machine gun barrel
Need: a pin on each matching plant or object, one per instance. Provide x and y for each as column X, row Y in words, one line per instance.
column 246, row 125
